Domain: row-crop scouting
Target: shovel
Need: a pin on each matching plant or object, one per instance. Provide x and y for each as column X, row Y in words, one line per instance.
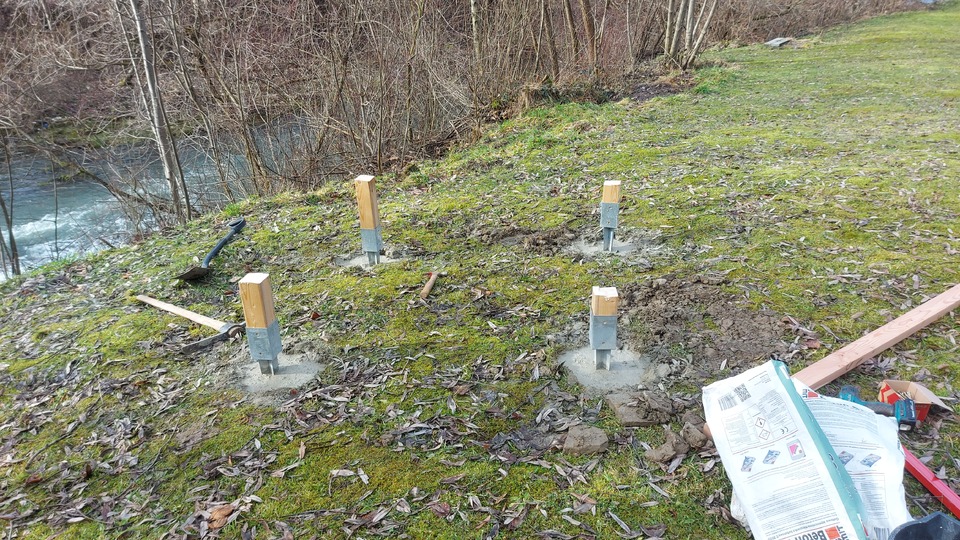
column 198, row 272
column 225, row 330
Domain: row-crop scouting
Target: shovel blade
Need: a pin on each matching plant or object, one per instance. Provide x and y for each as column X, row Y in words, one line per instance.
column 196, row 272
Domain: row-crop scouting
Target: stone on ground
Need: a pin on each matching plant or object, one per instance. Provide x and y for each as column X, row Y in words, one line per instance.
column 585, row 440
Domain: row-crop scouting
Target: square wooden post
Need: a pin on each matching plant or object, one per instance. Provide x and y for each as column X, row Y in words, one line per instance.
column 371, row 238
column 603, row 324
column 609, row 210
column 263, row 330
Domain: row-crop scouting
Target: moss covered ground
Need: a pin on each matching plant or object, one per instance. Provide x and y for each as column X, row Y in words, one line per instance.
column 821, row 180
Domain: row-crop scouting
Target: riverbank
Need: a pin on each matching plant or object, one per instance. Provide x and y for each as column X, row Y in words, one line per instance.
column 813, row 184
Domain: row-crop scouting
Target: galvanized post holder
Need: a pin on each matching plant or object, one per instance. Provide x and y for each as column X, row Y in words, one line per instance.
column 372, row 242
column 265, row 346
column 609, row 213
column 603, row 338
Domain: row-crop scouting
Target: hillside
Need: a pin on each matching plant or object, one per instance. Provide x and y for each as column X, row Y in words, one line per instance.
column 791, row 201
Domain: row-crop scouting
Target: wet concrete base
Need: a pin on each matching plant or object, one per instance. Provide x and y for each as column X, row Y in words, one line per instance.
column 628, row 371
column 590, row 248
column 351, row 260
column 295, row 371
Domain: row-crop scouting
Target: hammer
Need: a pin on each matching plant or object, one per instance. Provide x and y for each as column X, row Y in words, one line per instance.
column 225, row 330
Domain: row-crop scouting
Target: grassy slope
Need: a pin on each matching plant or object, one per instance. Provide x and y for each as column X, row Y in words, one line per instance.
column 822, row 179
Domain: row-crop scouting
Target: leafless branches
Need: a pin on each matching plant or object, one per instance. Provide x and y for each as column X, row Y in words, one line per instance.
column 286, row 95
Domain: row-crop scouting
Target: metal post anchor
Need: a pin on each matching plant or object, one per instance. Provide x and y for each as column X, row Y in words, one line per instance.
column 265, row 347
column 602, row 359
column 603, row 338
column 608, row 239
column 372, row 242
column 608, row 220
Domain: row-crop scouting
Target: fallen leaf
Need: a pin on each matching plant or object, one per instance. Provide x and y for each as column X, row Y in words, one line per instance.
column 441, row 509
column 453, row 479
column 219, row 515
column 34, row 478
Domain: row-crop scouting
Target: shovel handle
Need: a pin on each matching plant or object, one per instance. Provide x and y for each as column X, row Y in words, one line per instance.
column 185, row 313
column 235, row 227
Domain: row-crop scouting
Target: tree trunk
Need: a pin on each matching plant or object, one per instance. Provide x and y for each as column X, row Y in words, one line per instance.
column 186, row 82
column 475, row 29
column 572, row 27
column 702, row 28
column 551, row 42
column 590, row 31
column 677, row 27
column 158, row 119
column 11, row 245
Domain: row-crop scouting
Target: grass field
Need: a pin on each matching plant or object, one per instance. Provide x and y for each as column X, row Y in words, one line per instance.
column 819, row 182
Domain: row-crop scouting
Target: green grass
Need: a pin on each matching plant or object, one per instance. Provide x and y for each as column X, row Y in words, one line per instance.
column 820, row 180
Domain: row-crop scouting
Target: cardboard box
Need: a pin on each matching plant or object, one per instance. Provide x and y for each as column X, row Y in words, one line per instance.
column 891, row 390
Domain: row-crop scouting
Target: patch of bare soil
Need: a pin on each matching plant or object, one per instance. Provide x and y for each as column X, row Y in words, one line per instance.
column 689, row 330
column 652, row 81
column 300, row 364
column 698, row 327
column 548, row 242
column 638, row 247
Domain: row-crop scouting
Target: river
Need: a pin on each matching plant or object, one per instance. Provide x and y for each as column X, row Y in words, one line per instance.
column 53, row 221
column 64, row 219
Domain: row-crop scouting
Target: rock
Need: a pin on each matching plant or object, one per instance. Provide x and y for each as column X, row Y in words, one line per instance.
column 692, row 417
column 583, row 439
column 776, row 43
column 641, row 409
column 673, row 447
column 693, row 436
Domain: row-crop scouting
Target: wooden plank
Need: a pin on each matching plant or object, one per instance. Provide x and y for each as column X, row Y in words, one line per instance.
column 611, row 191
column 841, row 361
column 367, row 202
column 604, row 301
column 187, row 314
column 429, row 286
column 257, row 298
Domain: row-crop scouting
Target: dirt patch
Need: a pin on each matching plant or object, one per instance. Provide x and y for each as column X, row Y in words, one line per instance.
column 390, row 254
column 300, row 363
column 651, row 81
column 628, row 371
column 547, row 242
column 696, row 323
column 638, row 247
column 689, row 331
column 646, row 91
column 360, row 261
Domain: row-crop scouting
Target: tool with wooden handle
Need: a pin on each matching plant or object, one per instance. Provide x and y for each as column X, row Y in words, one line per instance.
column 224, row 330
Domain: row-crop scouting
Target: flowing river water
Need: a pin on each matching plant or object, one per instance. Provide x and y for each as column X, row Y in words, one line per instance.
column 56, row 220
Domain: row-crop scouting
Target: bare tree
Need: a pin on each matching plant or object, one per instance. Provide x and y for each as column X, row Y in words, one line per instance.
column 8, row 245
column 685, row 33
column 172, row 170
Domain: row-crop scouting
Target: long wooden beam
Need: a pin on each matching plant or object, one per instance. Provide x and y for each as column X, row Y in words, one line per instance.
column 842, row 361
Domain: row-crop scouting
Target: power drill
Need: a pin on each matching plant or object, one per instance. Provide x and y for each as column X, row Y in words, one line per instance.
column 903, row 410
